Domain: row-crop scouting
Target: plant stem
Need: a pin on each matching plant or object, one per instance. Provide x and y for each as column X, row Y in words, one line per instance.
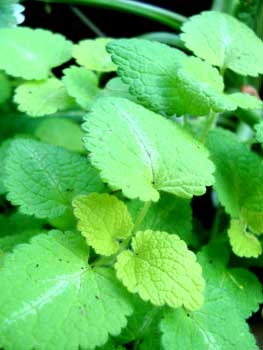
column 158, row 14
column 166, row 38
column 88, row 22
column 141, row 216
column 210, row 121
column 228, row 6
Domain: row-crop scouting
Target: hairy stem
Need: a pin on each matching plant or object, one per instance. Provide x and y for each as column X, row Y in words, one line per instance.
column 141, row 216
column 210, row 121
column 228, row 6
column 158, row 14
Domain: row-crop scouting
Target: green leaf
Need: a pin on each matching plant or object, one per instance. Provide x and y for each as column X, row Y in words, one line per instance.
column 59, row 300
column 230, row 297
column 103, row 220
column 243, row 243
column 162, row 270
column 115, row 87
column 224, row 42
column 16, row 229
column 259, row 132
column 3, row 154
column 167, row 81
column 92, row 54
column 170, row 214
column 43, row 179
column 61, row 132
column 81, row 84
column 217, row 325
column 241, row 285
column 42, row 97
column 125, row 146
column 5, row 88
column 11, row 13
column 36, row 50
column 245, row 101
column 239, row 178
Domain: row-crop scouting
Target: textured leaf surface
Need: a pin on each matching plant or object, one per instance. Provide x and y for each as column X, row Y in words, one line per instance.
column 239, row 178
column 170, row 214
column 52, row 299
column 3, row 154
column 81, row 84
column 43, row 179
column 131, row 146
column 5, row 88
column 92, row 54
column 162, row 270
column 167, row 81
column 42, row 98
column 61, row 132
column 215, row 326
column 36, row 50
column 244, row 243
column 241, row 285
column 230, row 296
column 103, row 220
column 225, row 42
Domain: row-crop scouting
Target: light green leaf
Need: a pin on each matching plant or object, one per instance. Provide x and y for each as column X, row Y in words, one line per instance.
column 92, row 54
column 115, row 87
column 81, row 84
column 3, row 154
column 11, row 13
column 170, row 214
column 42, row 97
column 43, row 179
column 243, row 243
column 224, row 42
column 5, row 87
column 241, row 285
column 239, row 178
column 36, row 50
column 61, row 132
column 230, row 297
column 162, row 270
column 217, row 325
column 59, row 300
column 245, row 101
column 167, row 81
column 103, row 220
column 131, row 146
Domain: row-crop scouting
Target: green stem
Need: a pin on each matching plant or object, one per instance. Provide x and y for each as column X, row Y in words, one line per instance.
column 227, row 6
column 141, row 216
column 166, row 38
column 158, row 14
column 87, row 21
column 210, row 121
column 249, row 116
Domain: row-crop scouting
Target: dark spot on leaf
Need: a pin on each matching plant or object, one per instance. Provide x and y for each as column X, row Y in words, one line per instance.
column 97, row 297
column 37, row 265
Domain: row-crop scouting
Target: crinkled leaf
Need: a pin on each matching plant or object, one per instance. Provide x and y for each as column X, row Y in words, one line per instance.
column 43, row 179
column 230, row 296
column 244, row 243
column 103, row 220
column 241, row 285
column 170, row 214
column 42, row 97
column 92, row 54
column 239, row 178
column 51, row 298
column 217, row 325
column 32, row 53
column 82, row 84
column 224, row 42
column 142, row 153
column 3, row 154
column 5, row 87
column 61, row 132
column 162, row 270
column 167, row 81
